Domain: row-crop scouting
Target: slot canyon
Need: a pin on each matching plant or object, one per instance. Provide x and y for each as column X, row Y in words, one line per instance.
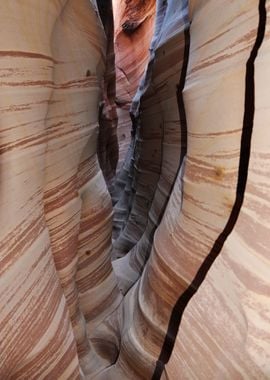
column 134, row 199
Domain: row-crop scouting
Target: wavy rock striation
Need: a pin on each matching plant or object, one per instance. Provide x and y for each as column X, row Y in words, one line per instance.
column 196, row 311
column 182, row 290
column 57, row 284
column 160, row 106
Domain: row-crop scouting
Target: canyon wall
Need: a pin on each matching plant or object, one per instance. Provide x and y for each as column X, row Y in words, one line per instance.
column 56, row 285
column 182, row 291
column 134, row 23
column 199, row 306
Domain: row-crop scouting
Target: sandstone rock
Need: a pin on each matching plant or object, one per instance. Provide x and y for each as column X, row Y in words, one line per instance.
column 132, row 51
column 57, row 283
column 222, row 325
column 108, row 142
column 189, row 296
column 167, row 69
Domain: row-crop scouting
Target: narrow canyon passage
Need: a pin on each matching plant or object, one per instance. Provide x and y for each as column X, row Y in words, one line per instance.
column 134, row 190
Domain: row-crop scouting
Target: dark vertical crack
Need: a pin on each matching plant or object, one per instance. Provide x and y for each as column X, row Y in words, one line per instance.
column 248, row 120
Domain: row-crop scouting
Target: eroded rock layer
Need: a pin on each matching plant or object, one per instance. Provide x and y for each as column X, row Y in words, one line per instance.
column 144, row 160
column 166, row 101
column 229, row 314
column 183, row 292
column 195, row 274
column 57, row 285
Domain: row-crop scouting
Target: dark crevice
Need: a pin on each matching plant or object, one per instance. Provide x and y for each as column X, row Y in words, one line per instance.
column 183, row 131
column 248, row 119
column 130, row 26
column 106, row 13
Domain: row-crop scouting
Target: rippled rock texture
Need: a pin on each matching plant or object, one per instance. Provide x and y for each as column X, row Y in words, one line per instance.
column 56, row 285
column 200, row 309
column 183, row 289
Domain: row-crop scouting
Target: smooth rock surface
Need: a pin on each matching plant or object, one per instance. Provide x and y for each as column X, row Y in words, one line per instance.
column 57, row 284
column 182, row 291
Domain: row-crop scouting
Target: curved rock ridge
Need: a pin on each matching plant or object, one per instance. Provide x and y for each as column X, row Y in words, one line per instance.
column 144, row 157
column 228, row 320
column 204, row 292
column 166, row 91
column 156, row 117
column 175, row 285
column 56, row 285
